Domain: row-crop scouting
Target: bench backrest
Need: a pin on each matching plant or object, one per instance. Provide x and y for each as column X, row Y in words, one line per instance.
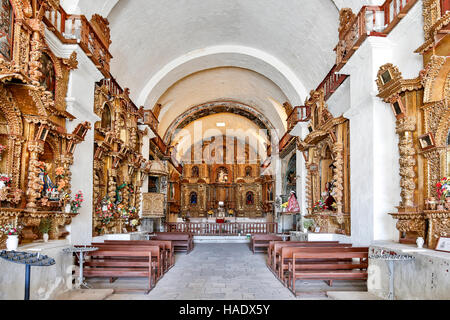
column 276, row 246
column 266, row 237
column 174, row 233
column 173, row 236
column 288, row 252
column 144, row 253
column 327, row 259
column 167, row 243
column 154, row 249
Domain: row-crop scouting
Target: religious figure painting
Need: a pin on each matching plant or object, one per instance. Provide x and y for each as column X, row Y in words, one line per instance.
column 6, row 28
column 193, row 200
column 48, row 80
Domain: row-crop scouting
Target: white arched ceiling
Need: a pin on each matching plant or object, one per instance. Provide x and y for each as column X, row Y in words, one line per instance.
column 235, row 127
column 89, row 7
column 235, row 84
column 156, row 43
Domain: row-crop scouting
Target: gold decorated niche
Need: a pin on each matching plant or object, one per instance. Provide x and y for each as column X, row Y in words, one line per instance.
column 36, row 149
column 119, row 166
column 423, row 125
column 326, row 152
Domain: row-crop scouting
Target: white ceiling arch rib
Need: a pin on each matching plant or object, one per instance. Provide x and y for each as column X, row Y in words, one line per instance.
column 224, row 56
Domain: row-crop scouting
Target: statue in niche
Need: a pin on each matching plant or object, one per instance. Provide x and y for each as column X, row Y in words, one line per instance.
column 193, row 198
column 330, row 202
column 195, row 172
column 248, row 171
column 222, row 175
column 249, row 199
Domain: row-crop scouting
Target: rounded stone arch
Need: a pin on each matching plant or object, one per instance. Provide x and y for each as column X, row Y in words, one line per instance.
column 436, row 79
column 214, row 107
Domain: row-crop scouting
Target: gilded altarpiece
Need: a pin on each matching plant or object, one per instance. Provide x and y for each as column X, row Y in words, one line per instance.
column 423, row 125
column 36, row 149
column 326, row 152
column 208, row 180
column 119, row 166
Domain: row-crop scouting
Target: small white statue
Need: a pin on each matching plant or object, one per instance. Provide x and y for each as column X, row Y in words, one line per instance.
column 420, row 242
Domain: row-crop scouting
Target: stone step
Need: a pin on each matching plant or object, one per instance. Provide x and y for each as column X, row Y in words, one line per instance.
column 86, row 294
column 352, row 295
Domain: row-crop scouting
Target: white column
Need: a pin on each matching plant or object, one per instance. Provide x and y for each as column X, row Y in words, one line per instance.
column 80, row 103
column 146, row 155
column 374, row 167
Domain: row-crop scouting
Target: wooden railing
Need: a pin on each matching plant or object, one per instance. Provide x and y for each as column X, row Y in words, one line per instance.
column 331, row 82
column 285, row 141
column 222, row 229
column 76, row 29
column 370, row 21
column 299, row 114
column 150, row 120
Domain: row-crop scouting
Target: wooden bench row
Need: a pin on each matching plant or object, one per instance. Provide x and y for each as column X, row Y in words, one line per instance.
column 150, row 259
column 327, row 261
column 262, row 241
column 183, row 241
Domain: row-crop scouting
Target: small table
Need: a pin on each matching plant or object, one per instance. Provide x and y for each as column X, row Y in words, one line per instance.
column 29, row 260
column 390, row 259
column 79, row 251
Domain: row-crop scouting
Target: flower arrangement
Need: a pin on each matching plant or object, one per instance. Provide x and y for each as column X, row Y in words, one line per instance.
column 210, row 212
column 10, row 230
column 75, row 204
column 230, row 212
column 5, row 180
column 106, row 211
column 443, row 188
column 285, row 205
column 308, row 224
column 320, row 205
column 135, row 222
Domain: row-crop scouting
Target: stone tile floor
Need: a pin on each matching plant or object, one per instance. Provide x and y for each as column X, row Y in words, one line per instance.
column 223, row 272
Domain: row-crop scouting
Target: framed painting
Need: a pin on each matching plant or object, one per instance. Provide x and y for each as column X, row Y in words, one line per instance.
column 6, row 28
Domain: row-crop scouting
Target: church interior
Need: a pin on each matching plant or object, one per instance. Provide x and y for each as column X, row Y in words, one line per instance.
column 301, row 147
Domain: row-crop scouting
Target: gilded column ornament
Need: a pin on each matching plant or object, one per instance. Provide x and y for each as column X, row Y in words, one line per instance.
column 34, row 183
column 405, row 128
column 338, row 150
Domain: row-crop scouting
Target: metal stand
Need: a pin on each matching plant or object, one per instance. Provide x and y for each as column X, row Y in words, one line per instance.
column 29, row 260
column 390, row 259
column 79, row 252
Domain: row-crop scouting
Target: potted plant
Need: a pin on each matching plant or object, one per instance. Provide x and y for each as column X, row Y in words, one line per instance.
column 13, row 236
column 44, row 228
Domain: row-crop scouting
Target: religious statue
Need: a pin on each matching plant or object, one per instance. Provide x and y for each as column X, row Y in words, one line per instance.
column 293, row 206
column 49, row 189
column 330, row 201
column 222, row 175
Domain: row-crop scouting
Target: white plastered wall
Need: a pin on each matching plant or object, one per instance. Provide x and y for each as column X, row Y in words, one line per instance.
column 374, row 155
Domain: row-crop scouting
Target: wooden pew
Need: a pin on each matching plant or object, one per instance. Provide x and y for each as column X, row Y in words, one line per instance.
column 286, row 253
column 183, row 241
column 169, row 249
column 123, row 263
column 262, row 241
column 275, row 249
column 157, row 259
column 328, row 265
